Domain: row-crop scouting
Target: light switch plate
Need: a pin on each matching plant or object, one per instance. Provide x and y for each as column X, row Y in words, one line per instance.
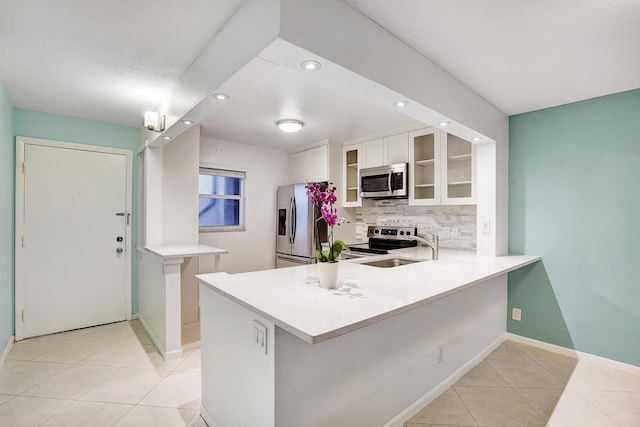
column 260, row 336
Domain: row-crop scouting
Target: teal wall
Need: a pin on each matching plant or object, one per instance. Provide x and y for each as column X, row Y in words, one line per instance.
column 574, row 199
column 7, row 185
column 37, row 124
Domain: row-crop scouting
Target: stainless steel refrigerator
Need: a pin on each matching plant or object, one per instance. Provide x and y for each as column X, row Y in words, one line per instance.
column 296, row 231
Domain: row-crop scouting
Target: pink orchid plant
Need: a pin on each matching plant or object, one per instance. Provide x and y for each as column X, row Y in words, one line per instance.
column 325, row 201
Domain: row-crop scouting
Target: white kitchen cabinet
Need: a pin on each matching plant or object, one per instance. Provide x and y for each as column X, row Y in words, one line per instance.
column 310, row 165
column 350, row 176
column 372, row 153
column 396, row 149
column 317, row 164
column 458, row 171
column 385, row 151
column 424, row 167
column 441, row 169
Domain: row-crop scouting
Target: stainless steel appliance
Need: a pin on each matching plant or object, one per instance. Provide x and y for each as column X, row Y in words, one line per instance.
column 296, row 231
column 382, row 239
column 385, row 182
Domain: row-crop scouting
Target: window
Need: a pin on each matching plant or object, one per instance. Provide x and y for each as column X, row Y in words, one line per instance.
column 221, row 200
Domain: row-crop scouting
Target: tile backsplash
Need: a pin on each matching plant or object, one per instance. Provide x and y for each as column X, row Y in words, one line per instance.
column 455, row 225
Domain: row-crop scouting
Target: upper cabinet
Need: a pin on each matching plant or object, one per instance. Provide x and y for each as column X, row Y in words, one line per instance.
column 317, row 164
column 350, row 173
column 309, row 165
column 385, row 151
column 424, row 167
column 441, row 169
column 396, row 149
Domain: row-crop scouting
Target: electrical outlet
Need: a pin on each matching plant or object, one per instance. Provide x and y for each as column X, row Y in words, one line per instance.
column 516, row 314
column 439, row 354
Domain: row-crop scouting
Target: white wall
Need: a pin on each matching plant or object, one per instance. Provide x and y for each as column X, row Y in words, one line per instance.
column 254, row 248
column 180, row 189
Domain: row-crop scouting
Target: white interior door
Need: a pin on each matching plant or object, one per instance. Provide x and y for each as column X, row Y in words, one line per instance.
column 74, row 266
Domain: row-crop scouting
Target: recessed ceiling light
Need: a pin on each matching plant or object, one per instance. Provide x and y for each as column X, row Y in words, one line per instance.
column 290, row 125
column 166, row 137
column 220, row 96
column 400, row 104
column 187, row 122
column 310, row 65
column 443, row 124
column 476, row 139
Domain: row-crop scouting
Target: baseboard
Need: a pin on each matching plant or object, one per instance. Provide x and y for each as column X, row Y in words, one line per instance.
column 586, row 357
column 417, row 406
column 207, row 417
column 134, row 316
column 166, row 355
column 6, row 351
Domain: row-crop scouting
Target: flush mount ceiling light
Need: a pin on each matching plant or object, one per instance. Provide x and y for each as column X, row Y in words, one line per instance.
column 187, row 122
column 476, row 139
column 443, row 123
column 400, row 104
column 310, row 65
column 220, row 96
column 289, row 125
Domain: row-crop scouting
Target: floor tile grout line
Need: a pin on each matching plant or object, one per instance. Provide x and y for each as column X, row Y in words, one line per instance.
column 594, row 405
column 465, row 404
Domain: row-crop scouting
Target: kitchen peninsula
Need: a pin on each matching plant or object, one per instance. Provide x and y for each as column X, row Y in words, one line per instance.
column 278, row 350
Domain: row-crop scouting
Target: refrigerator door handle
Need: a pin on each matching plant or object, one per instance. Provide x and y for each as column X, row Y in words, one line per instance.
column 294, row 220
column 290, row 214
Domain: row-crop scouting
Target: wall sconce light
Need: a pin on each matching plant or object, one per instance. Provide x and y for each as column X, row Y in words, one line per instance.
column 154, row 121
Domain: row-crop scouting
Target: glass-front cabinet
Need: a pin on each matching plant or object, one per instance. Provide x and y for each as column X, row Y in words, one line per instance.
column 351, row 167
column 458, row 171
column 442, row 169
column 424, row 159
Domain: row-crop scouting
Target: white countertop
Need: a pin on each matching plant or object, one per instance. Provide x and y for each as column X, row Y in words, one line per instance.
column 184, row 251
column 292, row 299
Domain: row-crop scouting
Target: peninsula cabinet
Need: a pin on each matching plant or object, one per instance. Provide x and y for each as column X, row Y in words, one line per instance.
column 441, row 169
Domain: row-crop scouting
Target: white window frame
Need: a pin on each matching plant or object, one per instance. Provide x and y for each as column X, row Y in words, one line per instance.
column 204, row 170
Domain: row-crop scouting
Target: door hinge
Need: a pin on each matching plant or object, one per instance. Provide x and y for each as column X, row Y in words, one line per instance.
column 22, row 315
column 24, row 167
column 23, row 245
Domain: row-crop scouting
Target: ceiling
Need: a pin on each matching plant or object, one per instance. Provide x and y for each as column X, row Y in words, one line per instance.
column 111, row 61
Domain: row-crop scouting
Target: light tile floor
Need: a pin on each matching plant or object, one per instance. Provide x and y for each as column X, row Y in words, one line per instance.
column 518, row 385
column 102, row 376
column 112, row 375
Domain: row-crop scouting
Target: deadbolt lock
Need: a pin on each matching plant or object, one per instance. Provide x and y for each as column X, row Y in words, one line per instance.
column 119, row 239
column 119, row 250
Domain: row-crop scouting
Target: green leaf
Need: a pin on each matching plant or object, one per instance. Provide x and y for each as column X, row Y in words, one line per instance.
column 337, row 247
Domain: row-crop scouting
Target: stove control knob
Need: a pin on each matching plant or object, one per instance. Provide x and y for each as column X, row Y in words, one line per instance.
column 377, row 231
column 402, row 233
column 408, row 233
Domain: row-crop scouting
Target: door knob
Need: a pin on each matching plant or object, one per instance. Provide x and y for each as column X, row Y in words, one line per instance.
column 119, row 250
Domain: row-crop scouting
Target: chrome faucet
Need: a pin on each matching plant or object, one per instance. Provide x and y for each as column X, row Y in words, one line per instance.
column 433, row 243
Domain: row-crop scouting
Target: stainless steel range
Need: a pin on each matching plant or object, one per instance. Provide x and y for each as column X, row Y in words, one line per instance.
column 382, row 239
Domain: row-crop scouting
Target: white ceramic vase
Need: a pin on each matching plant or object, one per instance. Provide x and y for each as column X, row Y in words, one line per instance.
column 328, row 272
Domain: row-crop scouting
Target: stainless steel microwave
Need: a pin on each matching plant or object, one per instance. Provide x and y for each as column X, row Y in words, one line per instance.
column 385, row 182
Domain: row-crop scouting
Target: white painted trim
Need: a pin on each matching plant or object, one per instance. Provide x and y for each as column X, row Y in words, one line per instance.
column 418, row 405
column 7, row 350
column 21, row 141
column 166, row 355
column 585, row 357
column 207, row 417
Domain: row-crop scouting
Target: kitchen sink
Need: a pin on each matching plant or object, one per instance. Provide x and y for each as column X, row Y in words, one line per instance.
column 391, row 262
